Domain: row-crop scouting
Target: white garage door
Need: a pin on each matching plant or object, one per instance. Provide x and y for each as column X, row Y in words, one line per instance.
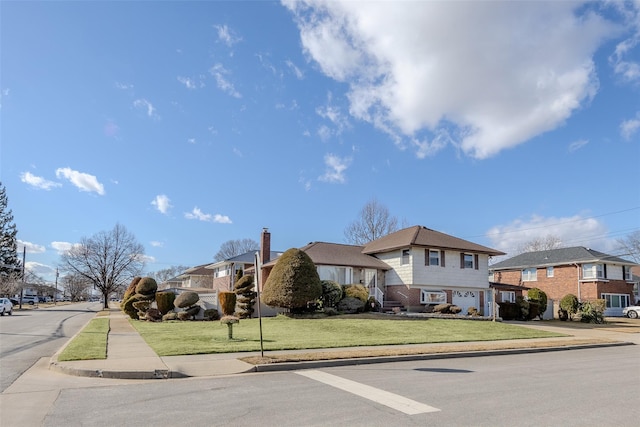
column 466, row 299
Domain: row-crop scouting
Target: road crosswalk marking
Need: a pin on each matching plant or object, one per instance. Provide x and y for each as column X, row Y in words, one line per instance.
column 392, row 400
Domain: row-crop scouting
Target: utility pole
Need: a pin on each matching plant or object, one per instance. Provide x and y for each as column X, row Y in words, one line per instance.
column 55, row 293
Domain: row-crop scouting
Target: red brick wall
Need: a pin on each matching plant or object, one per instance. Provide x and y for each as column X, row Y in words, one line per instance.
column 563, row 282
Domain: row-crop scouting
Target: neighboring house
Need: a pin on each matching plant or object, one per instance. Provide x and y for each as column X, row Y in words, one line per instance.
column 224, row 272
column 635, row 277
column 413, row 267
column 427, row 267
column 197, row 277
column 581, row 271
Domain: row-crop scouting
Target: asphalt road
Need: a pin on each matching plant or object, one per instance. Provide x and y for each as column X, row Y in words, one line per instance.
column 569, row 388
column 29, row 334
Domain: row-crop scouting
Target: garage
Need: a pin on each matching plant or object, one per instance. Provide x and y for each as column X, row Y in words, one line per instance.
column 466, row 299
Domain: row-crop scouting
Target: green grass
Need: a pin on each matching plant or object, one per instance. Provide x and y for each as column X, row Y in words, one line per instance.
column 90, row 343
column 283, row 333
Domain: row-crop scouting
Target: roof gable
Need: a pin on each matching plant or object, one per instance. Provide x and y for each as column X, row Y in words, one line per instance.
column 323, row 253
column 424, row 237
column 562, row 256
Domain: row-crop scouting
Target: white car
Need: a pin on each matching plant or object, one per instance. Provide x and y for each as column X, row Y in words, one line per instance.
column 30, row 299
column 632, row 312
column 5, row 306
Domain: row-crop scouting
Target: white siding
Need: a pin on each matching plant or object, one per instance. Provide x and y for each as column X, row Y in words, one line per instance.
column 451, row 275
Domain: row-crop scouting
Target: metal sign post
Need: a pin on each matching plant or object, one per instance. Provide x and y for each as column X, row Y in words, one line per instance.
column 258, row 266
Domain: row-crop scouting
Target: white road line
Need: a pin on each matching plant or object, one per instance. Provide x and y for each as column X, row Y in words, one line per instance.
column 392, row 400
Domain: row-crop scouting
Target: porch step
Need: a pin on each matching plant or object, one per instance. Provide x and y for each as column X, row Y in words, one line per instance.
column 390, row 306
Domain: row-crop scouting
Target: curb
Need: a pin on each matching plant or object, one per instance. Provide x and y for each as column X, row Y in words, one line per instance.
column 289, row 366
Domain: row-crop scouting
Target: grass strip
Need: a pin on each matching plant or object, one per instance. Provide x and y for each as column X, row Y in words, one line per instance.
column 284, row 333
column 90, row 343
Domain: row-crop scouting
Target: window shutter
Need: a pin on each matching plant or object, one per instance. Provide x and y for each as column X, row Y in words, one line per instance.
column 441, row 258
column 475, row 261
column 461, row 260
column 426, row 257
column 604, row 270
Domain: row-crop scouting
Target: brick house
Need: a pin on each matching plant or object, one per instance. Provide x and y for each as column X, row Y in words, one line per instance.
column 584, row 272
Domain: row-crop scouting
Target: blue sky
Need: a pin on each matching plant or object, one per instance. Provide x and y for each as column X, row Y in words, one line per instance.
column 195, row 123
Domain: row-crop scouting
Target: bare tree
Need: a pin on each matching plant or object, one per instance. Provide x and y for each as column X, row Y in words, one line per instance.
column 232, row 248
column 75, row 286
column 373, row 222
column 630, row 246
column 545, row 243
column 109, row 260
column 168, row 273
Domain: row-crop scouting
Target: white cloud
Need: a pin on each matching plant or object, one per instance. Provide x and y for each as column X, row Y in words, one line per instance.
column 576, row 145
column 620, row 59
column 196, row 213
column 157, row 244
column 123, row 86
column 220, row 73
column 577, row 230
column 189, row 83
column 38, row 182
column 491, row 75
column 335, row 168
column 147, row 107
column 226, row 35
column 294, row 69
column 62, row 247
column 145, row 258
column 83, row 181
column 162, row 203
column 628, row 128
column 39, row 269
column 32, row 248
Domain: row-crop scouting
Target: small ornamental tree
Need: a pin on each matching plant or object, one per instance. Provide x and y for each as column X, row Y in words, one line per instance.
column 227, row 302
column 331, row 293
column 244, row 288
column 569, row 303
column 538, row 296
column 293, row 282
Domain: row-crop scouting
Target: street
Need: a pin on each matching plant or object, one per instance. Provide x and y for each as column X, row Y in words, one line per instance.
column 569, row 388
column 30, row 334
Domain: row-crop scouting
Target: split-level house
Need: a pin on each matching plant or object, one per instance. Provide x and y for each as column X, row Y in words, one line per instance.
column 413, row 268
column 583, row 272
column 427, row 267
column 198, row 277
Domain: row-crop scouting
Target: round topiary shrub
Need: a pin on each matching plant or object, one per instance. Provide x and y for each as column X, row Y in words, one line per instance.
column 131, row 290
column 170, row 316
column 164, row 301
column 211, row 314
column 147, row 286
column 442, row 308
column 128, row 308
column 454, row 309
column 356, row 291
column 569, row 303
column 186, row 299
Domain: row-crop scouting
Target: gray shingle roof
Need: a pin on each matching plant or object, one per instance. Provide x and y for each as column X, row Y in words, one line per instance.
column 424, row 237
column 562, row 256
column 323, row 253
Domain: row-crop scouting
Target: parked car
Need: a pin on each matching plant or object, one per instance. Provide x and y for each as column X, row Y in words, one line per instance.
column 632, row 312
column 30, row 299
column 14, row 301
column 6, row 306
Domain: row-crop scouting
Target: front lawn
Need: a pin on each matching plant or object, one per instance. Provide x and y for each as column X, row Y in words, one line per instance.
column 283, row 333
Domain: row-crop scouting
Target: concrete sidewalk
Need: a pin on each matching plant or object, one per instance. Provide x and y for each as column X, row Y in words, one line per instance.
column 129, row 356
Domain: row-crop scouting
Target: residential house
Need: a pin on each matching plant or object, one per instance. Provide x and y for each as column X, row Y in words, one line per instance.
column 427, row 267
column 196, row 277
column 414, row 267
column 584, row 272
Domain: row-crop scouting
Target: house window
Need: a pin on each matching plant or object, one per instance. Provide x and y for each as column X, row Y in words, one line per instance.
column 341, row 275
column 434, row 257
column 626, row 273
column 466, row 261
column 507, row 296
column 549, row 271
column 593, row 271
column 432, row 297
column 529, row 275
column 616, row 300
column 406, row 256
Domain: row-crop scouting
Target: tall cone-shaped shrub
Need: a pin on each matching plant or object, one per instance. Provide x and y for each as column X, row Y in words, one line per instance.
column 293, row 282
column 244, row 289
